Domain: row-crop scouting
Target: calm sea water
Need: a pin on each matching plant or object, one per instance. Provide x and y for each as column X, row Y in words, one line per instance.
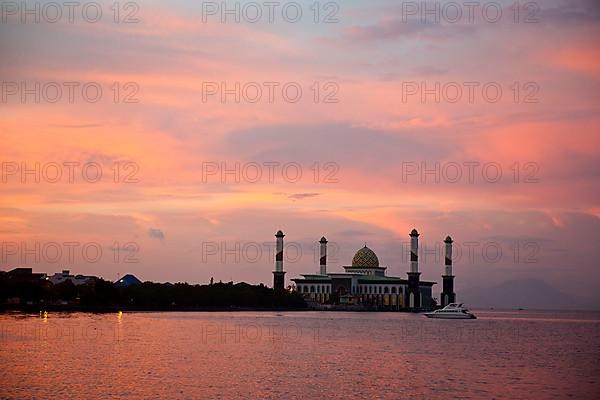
column 502, row 355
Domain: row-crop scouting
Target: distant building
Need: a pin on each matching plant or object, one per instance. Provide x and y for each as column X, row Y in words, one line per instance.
column 364, row 283
column 61, row 277
column 128, row 280
column 24, row 275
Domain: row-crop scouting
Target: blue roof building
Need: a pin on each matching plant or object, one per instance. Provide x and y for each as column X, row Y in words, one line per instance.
column 128, row 280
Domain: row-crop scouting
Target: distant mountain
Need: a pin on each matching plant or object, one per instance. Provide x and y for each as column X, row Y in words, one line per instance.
column 529, row 294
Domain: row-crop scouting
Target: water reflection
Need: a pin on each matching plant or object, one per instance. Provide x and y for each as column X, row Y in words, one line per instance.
column 299, row 355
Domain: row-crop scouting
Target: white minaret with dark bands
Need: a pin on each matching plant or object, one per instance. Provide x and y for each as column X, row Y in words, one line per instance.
column 323, row 256
column 448, row 256
column 413, row 294
column 448, row 296
column 414, row 251
column 279, row 251
column 279, row 274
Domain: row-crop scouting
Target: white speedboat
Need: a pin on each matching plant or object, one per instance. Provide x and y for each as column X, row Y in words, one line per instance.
column 451, row 311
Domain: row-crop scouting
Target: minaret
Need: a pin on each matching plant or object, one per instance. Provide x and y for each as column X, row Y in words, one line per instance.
column 323, row 255
column 413, row 295
column 278, row 274
column 448, row 296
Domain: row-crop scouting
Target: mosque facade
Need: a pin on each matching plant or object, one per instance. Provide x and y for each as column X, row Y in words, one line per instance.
column 364, row 283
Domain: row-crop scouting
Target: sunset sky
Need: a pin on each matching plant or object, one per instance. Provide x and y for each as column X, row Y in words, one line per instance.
column 365, row 145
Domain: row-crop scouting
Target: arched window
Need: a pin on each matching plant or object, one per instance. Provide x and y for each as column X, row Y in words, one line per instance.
column 379, row 289
column 386, row 290
column 312, row 289
column 305, row 289
column 394, row 289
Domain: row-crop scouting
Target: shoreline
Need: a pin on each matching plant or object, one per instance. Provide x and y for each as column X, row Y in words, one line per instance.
column 37, row 308
column 113, row 309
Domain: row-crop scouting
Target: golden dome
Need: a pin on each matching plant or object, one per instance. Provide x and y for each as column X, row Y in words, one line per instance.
column 365, row 257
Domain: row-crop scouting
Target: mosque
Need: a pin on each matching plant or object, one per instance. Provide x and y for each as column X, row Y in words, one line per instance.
column 364, row 284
